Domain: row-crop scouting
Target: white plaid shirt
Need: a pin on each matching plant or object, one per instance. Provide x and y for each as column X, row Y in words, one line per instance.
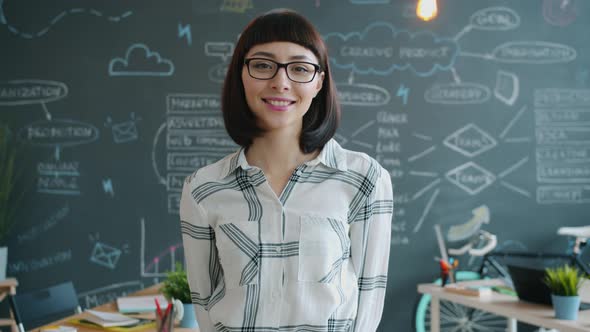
column 313, row 259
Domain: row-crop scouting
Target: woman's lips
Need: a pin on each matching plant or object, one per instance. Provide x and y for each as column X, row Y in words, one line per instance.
column 278, row 104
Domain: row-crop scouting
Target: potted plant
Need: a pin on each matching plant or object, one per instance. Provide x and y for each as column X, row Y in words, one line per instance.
column 564, row 283
column 175, row 287
column 8, row 195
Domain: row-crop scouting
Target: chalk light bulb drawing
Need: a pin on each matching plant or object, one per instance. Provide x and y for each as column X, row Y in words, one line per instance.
column 426, row 9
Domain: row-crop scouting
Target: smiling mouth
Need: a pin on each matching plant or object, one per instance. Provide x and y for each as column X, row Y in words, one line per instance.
column 279, row 103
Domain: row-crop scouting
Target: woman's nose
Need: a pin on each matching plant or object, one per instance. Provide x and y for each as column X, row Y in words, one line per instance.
column 281, row 81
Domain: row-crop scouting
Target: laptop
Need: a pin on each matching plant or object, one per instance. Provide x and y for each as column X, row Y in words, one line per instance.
column 528, row 284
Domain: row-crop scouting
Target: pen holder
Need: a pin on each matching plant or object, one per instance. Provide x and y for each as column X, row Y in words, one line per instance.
column 165, row 320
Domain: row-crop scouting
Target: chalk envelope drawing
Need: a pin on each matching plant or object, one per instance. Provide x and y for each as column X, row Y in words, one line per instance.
column 105, row 255
column 140, row 61
column 125, row 132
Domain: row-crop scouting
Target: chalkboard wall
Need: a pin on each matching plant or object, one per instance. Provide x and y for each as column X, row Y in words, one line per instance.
column 113, row 103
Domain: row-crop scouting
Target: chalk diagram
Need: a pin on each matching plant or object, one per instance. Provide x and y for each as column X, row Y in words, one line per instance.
column 125, row 131
column 106, row 255
column 236, row 6
column 139, row 60
column 193, row 136
column 560, row 12
column 380, row 49
column 55, row 176
column 224, row 50
column 163, row 262
column 55, row 20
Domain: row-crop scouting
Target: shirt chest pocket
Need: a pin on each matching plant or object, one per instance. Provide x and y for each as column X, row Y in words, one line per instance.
column 238, row 247
column 323, row 246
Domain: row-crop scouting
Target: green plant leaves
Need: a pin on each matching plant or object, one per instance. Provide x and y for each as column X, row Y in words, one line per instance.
column 564, row 280
column 176, row 285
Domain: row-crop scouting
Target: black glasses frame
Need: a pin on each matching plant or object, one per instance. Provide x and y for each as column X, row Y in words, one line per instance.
column 283, row 65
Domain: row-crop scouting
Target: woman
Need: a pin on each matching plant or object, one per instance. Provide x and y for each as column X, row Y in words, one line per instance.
column 291, row 232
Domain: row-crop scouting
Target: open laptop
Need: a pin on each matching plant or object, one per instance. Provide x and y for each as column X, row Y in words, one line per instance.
column 529, row 286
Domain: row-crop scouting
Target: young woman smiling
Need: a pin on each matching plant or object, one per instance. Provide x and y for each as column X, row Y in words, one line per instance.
column 291, row 232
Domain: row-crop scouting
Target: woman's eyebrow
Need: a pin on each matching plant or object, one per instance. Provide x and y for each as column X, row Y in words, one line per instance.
column 272, row 56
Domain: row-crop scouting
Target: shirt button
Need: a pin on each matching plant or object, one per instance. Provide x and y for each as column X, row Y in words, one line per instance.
column 278, row 250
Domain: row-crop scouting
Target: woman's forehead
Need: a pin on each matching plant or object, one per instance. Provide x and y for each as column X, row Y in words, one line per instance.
column 282, row 51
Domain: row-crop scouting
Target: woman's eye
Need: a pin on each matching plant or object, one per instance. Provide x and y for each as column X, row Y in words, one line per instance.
column 301, row 69
column 262, row 65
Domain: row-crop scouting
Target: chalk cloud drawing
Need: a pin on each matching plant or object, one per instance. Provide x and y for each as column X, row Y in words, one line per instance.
column 141, row 61
column 381, row 49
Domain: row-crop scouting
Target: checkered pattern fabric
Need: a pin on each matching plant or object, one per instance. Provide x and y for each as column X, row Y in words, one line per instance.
column 313, row 259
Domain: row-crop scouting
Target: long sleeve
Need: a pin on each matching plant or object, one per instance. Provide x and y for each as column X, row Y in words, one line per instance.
column 202, row 263
column 370, row 233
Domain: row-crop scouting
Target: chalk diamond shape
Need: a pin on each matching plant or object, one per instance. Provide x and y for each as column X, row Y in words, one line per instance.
column 471, row 177
column 470, row 141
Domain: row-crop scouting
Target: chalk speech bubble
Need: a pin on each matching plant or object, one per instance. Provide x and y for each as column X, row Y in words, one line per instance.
column 24, row 92
column 63, row 132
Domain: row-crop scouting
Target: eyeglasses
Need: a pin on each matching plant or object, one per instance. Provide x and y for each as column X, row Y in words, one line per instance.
column 266, row 69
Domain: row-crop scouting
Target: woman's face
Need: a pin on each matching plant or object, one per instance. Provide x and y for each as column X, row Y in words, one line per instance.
column 280, row 103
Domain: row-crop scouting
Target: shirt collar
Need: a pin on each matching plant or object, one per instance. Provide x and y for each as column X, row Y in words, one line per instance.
column 332, row 156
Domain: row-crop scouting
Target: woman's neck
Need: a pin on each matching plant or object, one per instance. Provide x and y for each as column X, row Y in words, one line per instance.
column 276, row 154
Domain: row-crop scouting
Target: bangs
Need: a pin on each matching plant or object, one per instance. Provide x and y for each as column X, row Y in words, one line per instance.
column 277, row 26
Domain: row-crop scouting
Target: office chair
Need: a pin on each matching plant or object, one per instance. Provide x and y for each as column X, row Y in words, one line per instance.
column 43, row 306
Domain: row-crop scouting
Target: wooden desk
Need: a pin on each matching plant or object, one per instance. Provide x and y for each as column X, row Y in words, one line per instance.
column 112, row 307
column 8, row 287
column 505, row 306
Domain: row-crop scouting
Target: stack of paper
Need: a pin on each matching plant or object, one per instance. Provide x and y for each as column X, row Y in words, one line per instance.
column 108, row 319
column 139, row 304
column 469, row 290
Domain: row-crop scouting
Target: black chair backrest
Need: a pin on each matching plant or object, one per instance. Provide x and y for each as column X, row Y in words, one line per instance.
column 46, row 305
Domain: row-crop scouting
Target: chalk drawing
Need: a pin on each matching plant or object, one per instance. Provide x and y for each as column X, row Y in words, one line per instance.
column 140, row 61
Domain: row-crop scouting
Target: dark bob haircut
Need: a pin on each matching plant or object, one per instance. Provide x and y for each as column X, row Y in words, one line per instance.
column 323, row 117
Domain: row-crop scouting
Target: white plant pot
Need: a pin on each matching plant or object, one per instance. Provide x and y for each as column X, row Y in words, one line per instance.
column 3, row 262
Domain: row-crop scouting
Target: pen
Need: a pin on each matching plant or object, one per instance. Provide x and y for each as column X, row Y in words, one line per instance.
column 167, row 318
column 163, row 324
column 171, row 320
column 158, row 310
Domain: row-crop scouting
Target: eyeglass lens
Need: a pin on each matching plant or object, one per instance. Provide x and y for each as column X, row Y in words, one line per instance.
column 265, row 69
